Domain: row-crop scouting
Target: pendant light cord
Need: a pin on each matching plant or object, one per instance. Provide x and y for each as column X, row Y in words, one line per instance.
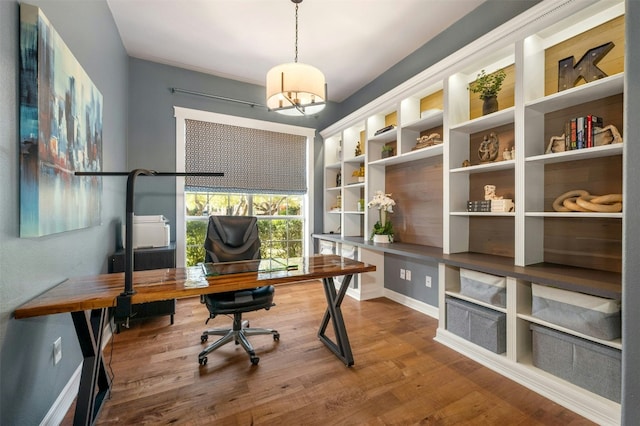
column 296, row 57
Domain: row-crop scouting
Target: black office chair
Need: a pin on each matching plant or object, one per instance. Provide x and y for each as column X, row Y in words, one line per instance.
column 233, row 238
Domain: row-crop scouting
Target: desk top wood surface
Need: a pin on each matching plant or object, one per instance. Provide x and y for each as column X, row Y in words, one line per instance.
column 100, row 291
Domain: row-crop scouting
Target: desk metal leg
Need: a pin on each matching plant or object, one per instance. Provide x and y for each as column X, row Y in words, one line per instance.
column 94, row 382
column 341, row 348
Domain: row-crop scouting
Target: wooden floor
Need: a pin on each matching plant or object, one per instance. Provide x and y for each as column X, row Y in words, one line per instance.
column 400, row 377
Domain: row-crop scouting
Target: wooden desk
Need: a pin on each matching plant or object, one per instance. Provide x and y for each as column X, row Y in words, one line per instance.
column 81, row 295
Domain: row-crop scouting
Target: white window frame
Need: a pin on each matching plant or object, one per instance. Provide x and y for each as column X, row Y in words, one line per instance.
column 182, row 114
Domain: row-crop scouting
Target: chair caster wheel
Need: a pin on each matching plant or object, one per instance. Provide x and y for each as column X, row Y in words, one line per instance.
column 276, row 336
column 203, row 361
column 204, row 338
column 255, row 360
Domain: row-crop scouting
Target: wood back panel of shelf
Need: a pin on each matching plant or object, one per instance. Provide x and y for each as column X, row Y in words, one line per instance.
column 609, row 108
column 584, row 242
column 432, row 101
column 506, row 140
column 417, row 189
column 494, row 235
column 506, row 96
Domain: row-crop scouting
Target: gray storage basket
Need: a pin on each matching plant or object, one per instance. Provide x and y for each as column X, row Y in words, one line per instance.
column 484, row 287
column 591, row 315
column 584, row 363
column 477, row 324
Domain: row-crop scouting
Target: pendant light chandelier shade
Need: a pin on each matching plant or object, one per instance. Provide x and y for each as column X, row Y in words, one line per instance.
column 294, row 88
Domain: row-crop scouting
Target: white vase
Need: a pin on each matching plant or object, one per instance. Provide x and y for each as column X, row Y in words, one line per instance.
column 381, row 239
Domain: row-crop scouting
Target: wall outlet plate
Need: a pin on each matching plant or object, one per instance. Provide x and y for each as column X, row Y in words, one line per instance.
column 57, row 350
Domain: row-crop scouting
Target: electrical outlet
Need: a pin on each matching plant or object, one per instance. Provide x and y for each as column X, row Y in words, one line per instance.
column 427, row 281
column 408, row 275
column 57, row 350
column 402, row 274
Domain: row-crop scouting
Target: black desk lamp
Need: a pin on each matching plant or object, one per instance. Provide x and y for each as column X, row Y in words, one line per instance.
column 123, row 302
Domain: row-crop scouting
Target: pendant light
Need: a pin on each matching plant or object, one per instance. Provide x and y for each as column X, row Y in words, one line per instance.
column 294, row 88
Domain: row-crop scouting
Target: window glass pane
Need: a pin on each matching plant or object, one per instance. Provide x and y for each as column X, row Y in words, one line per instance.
column 196, row 232
column 280, row 237
column 295, row 229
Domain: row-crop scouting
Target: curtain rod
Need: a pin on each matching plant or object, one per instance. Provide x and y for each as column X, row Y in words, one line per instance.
column 221, row 98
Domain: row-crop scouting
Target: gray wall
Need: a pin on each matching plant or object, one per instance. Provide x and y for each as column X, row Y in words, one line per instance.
column 152, row 126
column 631, row 223
column 29, row 381
column 416, row 287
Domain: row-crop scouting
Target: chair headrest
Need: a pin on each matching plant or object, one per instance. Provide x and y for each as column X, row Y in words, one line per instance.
column 234, row 231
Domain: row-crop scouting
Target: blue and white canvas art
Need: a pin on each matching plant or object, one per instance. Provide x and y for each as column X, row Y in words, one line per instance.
column 60, row 133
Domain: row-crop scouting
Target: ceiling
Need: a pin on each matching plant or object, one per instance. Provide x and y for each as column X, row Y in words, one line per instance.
column 351, row 41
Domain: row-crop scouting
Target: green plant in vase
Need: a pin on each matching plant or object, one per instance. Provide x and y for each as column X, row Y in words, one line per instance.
column 488, row 86
column 383, row 227
column 387, row 151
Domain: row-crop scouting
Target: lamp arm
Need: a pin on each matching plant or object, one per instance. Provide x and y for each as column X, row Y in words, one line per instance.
column 128, row 247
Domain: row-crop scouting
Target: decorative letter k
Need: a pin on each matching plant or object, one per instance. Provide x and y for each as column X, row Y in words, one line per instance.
column 569, row 74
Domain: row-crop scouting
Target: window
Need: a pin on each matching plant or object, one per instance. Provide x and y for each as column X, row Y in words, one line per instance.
column 280, row 221
column 285, row 216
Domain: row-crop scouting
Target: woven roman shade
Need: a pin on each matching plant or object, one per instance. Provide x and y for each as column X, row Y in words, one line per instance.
column 253, row 161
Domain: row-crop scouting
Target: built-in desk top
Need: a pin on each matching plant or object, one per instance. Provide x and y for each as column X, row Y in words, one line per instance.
column 589, row 281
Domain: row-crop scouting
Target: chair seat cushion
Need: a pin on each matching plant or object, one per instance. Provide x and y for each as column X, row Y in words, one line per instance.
column 240, row 301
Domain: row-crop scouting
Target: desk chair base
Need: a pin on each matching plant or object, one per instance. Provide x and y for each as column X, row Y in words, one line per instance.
column 237, row 334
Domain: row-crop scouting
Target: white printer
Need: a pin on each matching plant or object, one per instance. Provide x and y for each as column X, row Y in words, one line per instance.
column 148, row 231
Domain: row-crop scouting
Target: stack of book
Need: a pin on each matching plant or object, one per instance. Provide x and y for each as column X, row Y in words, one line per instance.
column 502, row 206
column 479, row 206
column 579, row 132
column 485, row 206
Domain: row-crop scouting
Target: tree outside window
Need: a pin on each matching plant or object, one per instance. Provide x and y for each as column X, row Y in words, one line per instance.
column 280, row 223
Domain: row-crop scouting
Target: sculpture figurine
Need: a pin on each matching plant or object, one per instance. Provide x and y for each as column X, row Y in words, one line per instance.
column 490, row 193
column 506, row 154
column 488, row 150
column 358, row 149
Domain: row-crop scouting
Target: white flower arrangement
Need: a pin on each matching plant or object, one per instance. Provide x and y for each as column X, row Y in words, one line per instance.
column 384, row 203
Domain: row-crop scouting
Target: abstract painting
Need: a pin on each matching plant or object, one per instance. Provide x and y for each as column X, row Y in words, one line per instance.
column 60, row 133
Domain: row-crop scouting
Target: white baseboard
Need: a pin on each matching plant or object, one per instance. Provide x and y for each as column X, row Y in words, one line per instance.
column 60, row 407
column 414, row 304
column 63, row 402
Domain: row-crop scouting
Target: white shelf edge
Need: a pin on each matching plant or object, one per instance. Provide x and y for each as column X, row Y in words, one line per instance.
column 354, row 185
column 333, row 188
column 432, row 120
column 507, row 214
column 388, row 136
column 333, row 165
column 418, row 154
column 498, row 118
column 575, row 215
column 602, row 88
column 358, row 159
column 479, row 168
column 353, row 212
column 616, row 344
column 577, row 154
column 461, row 296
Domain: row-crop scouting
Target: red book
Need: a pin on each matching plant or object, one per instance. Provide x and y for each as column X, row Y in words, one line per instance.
column 592, row 122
